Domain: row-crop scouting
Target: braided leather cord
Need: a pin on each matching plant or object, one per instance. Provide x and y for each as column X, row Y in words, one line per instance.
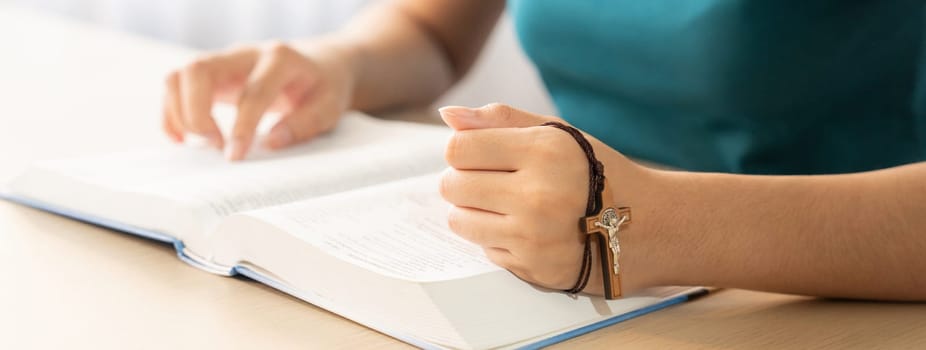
column 595, row 187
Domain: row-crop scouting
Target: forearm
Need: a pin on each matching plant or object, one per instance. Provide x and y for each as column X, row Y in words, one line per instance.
column 855, row 236
column 406, row 53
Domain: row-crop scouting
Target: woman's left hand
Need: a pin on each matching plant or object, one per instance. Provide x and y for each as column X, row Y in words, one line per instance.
column 518, row 190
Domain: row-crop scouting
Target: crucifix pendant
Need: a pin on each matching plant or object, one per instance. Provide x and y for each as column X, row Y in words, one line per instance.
column 611, row 220
column 615, row 245
column 605, row 226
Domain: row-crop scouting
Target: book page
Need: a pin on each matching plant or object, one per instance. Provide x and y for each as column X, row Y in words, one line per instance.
column 383, row 255
column 398, row 230
column 361, row 151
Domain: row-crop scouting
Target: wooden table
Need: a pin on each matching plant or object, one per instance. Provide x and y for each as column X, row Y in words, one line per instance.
column 68, row 89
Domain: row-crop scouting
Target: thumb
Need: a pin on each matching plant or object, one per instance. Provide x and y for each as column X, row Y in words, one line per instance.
column 299, row 126
column 494, row 115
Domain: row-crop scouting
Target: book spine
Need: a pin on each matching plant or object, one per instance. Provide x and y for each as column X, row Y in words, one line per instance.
column 198, row 262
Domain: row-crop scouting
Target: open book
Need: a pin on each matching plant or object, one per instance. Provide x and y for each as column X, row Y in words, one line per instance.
column 351, row 222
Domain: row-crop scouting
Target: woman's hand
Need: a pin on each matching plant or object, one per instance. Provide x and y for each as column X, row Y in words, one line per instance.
column 309, row 85
column 519, row 189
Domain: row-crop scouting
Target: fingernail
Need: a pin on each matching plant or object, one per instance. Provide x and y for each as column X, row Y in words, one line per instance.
column 457, row 112
column 235, row 150
column 280, row 136
column 176, row 138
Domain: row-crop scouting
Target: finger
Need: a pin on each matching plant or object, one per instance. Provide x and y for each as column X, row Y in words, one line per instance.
column 196, row 92
column 200, row 84
column 488, row 149
column 264, row 85
column 306, row 122
column 172, row 131
column 493, row 115
column 486, row 190
column 481, row 227
column 232, row 68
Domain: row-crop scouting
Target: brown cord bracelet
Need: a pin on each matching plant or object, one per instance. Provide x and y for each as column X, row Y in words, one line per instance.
column 602, row 220
column 595, row 186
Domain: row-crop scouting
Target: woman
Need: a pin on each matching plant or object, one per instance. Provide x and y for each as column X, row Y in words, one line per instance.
column 823, row 91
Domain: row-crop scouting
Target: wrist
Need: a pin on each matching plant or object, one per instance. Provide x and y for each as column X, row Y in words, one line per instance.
column 644, row 250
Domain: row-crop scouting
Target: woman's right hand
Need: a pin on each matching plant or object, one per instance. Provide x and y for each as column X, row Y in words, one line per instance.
column 311, row 87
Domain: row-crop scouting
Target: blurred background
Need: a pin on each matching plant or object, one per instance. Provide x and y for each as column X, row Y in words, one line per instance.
column 208, row 24
column 215, row 24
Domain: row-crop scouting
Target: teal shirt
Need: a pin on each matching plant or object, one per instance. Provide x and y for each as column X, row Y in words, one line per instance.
column 743, row 86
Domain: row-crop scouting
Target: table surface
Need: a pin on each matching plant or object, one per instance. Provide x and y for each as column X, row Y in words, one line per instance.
column 69, row 89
